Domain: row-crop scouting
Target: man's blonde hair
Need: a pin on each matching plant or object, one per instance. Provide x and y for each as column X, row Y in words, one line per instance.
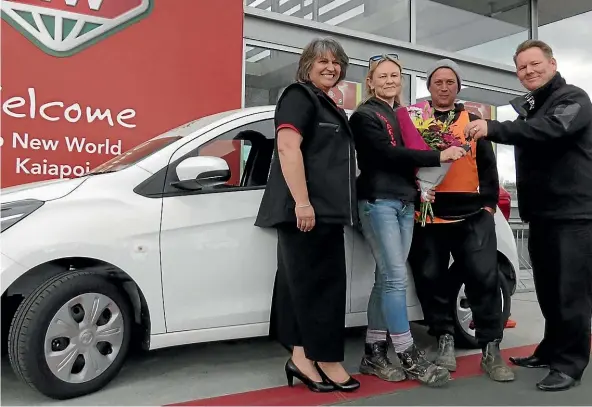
column 543, row 46
column 370, row 93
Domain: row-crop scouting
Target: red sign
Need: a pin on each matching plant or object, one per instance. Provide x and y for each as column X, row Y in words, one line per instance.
column 97, row 8
column 479, row 109
column 62, row 116
column 346, row 94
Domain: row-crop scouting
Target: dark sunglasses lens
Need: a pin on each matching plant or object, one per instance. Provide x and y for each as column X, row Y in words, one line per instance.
column 379, row 57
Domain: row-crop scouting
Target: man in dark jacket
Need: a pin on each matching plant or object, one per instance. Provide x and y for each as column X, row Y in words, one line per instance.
column 553, row 150
column 464, row 227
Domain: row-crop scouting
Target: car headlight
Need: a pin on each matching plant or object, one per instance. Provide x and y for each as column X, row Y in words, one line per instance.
column 13, row 212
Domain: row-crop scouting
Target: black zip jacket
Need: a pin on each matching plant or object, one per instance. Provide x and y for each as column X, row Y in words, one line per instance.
column 387, row 168
column 329, row 161
column 459, row 205
column 553, row 151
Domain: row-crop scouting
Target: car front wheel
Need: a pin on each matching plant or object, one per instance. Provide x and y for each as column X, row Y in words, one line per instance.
column 463, row 316
column 70, row 336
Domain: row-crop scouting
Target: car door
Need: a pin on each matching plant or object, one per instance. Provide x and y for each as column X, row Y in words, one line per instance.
column 363, row 277
column 218, row 269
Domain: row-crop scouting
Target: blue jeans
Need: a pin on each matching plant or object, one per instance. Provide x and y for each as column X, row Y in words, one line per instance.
column 387, row 226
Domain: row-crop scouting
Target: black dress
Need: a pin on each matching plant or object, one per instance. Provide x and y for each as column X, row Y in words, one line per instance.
column 308, row 307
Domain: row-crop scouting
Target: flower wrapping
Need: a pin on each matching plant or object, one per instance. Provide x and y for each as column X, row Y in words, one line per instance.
column 421, row 131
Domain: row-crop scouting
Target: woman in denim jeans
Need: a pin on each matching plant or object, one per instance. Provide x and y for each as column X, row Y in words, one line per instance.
column 386, row 190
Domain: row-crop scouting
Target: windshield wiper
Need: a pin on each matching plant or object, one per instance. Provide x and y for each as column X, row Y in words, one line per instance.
column 99, row 172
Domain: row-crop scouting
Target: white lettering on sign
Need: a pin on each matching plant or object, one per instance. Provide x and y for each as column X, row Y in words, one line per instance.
column 81, row 145
column 92, row 4
column 25, row 166
column 33, row 143
column 74, row 113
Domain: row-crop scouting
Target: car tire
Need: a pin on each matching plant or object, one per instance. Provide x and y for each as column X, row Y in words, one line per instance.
column 464, row 335
column 101, row 335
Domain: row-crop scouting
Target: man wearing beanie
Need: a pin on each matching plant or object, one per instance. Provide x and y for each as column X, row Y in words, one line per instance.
column 463, row 227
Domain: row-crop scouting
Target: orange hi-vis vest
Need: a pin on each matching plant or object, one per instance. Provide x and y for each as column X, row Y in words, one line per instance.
column 462, row 175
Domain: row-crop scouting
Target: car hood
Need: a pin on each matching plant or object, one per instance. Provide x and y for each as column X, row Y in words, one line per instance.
column 42, row 190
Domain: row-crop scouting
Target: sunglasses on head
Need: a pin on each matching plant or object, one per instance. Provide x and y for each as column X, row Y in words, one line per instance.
column 381, row 57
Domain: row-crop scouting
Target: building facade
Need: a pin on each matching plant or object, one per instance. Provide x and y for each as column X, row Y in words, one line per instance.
column 84, row 81
column 481, row 35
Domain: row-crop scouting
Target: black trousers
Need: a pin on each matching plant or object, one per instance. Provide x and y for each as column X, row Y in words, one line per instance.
column 473, row 245
column 561, row 257
column 308, row 307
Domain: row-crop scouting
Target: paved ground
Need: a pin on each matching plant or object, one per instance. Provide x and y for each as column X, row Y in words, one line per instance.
column 204, row 371
column 480, row 391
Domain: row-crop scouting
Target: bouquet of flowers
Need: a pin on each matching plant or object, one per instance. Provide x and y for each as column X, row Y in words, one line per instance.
column 421, row 131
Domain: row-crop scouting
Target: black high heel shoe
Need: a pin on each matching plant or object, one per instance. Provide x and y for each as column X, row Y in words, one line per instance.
column 350, row 385
column 293, row 371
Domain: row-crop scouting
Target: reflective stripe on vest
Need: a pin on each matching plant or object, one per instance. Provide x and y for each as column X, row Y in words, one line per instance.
column 462, row 175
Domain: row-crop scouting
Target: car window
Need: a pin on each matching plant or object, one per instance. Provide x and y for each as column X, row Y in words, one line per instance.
column 247, row 150
column 134, row 155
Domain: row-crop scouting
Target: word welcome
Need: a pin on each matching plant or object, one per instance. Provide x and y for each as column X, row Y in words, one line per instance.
column 56, row 110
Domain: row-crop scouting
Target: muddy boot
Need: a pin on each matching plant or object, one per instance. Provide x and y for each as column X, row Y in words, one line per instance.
column 417, row 367
column 493, row 364
column 376, row 362
column 446, row 357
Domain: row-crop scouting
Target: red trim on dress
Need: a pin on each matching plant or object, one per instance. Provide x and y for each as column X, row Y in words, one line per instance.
column 287, row 126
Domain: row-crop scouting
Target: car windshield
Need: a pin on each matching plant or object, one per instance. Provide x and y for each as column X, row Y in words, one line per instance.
column 155, row 144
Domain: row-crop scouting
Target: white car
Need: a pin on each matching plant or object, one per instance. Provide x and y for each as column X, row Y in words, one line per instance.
column 157, row 248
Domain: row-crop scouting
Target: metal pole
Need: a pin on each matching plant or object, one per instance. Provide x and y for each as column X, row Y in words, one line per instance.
column 412, row 21
column 533, row 19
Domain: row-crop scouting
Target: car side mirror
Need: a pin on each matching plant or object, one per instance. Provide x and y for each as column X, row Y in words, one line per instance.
column 196, row 173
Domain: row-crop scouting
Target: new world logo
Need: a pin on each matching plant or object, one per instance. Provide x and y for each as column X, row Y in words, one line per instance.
column 65, row 27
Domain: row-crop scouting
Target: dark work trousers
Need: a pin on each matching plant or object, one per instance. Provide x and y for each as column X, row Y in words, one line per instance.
column 308, row 307
column 473, row 245
column 561, row 256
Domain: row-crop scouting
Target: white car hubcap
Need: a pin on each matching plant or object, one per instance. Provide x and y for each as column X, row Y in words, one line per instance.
column 464, row 315
column 84, row 338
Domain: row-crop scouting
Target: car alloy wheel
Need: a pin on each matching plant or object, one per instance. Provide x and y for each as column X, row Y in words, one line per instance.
column 84, row 338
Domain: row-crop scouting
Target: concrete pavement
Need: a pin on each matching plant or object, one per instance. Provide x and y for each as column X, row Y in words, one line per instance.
column 205, row 371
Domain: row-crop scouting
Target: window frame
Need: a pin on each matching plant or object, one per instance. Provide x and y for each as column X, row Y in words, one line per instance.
column 298, row 51
column 158, row 185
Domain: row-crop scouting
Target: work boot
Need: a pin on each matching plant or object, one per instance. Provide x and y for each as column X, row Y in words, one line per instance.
column 446, row 357
column 376, row 362
column 417, row 367
column 493, row 363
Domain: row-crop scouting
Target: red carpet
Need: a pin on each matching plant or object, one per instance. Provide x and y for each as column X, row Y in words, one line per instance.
column 299, row 395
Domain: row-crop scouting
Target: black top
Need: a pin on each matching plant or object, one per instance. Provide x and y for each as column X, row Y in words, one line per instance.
column 387, row 168
column 328, row 156
column 553, row 150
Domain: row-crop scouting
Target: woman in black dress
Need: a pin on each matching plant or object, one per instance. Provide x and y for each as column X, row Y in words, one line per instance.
column 309, row 197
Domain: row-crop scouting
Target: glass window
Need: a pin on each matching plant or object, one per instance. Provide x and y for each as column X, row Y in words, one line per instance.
column 488, row 30
column 570, row 40
column 268, row 72
column 247, row 150
column 506, row 163
column 388, row 18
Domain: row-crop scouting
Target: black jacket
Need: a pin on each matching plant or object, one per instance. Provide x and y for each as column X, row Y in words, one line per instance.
column 458, row 205
column 553, row 151
column 387, row 168
column 329, row 161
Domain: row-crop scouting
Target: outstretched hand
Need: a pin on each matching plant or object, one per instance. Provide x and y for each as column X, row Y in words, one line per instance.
column 476, row 130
